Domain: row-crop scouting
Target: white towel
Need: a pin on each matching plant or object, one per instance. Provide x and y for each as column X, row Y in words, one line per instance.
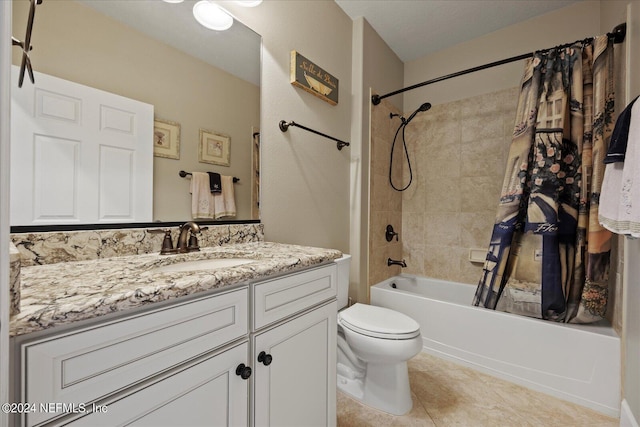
column 225, row 202
column 619, row 209
column 202, row 205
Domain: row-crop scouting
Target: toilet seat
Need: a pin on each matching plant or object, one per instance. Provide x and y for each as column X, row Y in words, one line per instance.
column 378, row 322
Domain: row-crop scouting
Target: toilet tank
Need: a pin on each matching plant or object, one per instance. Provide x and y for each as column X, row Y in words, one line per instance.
column 343, row 280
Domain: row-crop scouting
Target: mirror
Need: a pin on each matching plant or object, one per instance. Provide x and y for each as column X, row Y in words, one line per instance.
column 157, row 53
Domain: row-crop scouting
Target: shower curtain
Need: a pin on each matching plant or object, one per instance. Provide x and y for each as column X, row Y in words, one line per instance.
column 548, row 256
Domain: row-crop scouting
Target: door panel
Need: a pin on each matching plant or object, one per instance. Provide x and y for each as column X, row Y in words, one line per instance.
column 79, row 155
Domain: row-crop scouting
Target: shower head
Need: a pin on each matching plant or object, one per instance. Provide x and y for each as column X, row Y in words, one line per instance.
column 423, row 107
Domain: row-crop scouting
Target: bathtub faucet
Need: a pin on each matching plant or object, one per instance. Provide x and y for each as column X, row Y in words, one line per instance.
column 391, row 262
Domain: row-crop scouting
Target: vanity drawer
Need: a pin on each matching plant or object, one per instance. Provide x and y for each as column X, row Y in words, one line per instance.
column 89, row 364
column 276, row 299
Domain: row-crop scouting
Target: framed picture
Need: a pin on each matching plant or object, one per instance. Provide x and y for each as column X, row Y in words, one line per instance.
column 312, row 78
column 166, row 139
column 214, row 148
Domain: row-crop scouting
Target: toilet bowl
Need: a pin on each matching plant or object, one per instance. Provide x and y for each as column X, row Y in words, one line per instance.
column 374, row 345
column 376, row 373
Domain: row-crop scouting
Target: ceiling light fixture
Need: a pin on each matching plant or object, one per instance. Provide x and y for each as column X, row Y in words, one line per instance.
column 212, row 16
column 249, row 3
column 173, row 1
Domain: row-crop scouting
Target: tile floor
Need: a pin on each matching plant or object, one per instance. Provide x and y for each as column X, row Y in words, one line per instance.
column 446, row 394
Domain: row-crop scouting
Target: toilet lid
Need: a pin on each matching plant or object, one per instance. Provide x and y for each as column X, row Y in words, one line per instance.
column 379, row 322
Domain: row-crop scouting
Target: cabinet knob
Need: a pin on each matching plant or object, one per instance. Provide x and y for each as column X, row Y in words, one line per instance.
column 265, row 358
column 243, row 371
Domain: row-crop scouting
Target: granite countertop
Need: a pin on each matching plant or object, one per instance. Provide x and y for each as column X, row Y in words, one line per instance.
column 14, row 254
column 67, row 292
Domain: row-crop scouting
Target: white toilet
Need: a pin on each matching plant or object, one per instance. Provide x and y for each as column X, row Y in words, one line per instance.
column 374, row 344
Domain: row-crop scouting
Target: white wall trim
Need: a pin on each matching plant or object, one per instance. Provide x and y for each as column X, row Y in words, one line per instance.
column 5, row 120
column 631, row 293
column 626, row 416
column 358, row 196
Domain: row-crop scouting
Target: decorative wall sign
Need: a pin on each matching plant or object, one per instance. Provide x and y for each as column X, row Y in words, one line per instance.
column 214, row 148
column 166, row 139
column 310, row 77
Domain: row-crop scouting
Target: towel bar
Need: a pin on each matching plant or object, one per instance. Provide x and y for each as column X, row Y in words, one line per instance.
column 183, row 174
column 284, row 126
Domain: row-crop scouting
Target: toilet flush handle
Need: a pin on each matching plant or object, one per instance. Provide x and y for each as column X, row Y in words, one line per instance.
column 265, row 358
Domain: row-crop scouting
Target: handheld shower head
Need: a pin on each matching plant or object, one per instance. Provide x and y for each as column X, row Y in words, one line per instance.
column 423, row 107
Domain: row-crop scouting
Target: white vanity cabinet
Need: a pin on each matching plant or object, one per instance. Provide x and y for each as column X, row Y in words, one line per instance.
column 260, row 355
column 294, row 358
column 154, row 357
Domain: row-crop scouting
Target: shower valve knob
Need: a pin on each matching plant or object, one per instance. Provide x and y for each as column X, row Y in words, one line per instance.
column 265, row 358
column 390, row 233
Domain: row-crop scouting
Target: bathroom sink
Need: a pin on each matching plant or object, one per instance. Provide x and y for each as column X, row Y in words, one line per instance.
column 202, row 264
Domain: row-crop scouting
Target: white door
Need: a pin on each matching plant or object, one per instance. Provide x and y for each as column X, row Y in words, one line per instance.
column 298, row 385
column 78, row 154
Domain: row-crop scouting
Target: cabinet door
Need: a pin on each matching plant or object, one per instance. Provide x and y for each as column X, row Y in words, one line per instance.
column 208, row 393
column 298, row 387
column 91, row 364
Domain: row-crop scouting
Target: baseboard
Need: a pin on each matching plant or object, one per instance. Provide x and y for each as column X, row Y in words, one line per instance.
column 626, row 416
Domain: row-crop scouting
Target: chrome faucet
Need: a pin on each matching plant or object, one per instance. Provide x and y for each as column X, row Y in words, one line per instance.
column 391, row 262
column 183, row 240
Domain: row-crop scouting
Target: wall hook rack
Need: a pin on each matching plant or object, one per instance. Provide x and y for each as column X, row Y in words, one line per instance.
column 284, row 126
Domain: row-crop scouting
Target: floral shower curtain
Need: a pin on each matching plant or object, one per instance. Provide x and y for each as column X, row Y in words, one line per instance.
column 548, row 256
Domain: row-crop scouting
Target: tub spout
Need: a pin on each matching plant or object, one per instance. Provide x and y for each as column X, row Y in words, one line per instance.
column 391, row 262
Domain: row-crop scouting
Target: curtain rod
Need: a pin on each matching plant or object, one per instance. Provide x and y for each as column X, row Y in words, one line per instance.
column 618, row 34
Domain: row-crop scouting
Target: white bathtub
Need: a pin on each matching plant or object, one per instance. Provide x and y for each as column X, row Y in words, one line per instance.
column 578, row 363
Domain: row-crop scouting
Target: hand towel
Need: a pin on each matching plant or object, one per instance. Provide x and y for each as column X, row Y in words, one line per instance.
column 620, row 136
column 201, row 198
column 619, row 209
column 225, row 203
column 214, row 182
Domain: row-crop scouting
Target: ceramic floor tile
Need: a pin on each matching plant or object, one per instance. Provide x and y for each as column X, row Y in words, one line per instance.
column 352, row 413
column 545, row 409
column 446, row 394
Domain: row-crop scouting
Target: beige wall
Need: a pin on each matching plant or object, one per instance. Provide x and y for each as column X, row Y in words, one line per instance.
column 377, row 69
column 305, row 179
column 76, row 43
column 574, row 22
column 613, row 13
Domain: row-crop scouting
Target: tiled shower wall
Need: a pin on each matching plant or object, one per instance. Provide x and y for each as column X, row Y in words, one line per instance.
column 458, row 152
column 385, row 203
